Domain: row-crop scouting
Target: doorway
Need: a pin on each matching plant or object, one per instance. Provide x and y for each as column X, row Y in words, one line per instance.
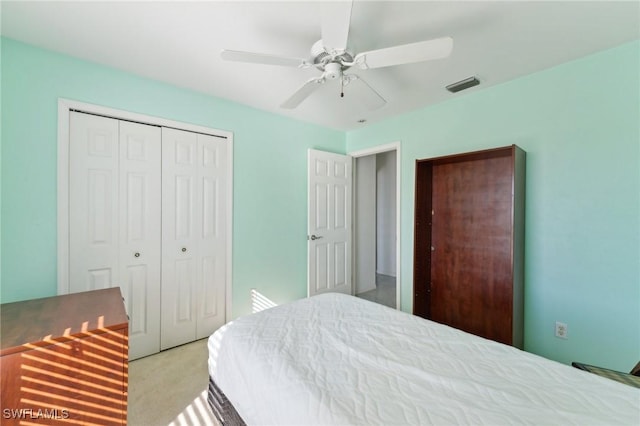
column 376, row 225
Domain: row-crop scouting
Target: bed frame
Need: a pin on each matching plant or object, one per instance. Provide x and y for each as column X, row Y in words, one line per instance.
column 222, row 408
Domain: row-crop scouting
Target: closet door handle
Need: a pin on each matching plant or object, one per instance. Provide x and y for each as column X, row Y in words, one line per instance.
column 184, row 249
column 136, row 255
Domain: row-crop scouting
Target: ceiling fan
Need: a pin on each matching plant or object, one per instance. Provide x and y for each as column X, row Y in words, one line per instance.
column 331, row 56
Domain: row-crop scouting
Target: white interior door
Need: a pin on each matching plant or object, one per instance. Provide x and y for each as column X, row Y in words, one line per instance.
column 329, row 222
column 139, row 251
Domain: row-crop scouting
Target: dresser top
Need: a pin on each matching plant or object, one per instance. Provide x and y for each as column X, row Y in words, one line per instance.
column 46, row 321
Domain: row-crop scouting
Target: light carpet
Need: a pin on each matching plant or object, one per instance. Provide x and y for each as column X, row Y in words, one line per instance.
column 170, row 388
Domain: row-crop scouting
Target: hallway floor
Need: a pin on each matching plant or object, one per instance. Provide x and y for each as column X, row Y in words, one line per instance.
column 384, row 293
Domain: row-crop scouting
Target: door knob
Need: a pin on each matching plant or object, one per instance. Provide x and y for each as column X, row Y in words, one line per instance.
column 137, row 255
column 184, row 249
column 314, row 237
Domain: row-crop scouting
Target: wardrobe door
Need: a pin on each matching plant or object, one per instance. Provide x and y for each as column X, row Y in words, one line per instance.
column 471, row 261
column 211, row 261
column 469, row 242
column 181, row 220
column 139, row 251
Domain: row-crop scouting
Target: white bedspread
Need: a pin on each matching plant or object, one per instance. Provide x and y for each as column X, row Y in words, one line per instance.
column 335, row 359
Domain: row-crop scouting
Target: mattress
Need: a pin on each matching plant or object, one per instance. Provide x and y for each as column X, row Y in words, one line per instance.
column 334, row 359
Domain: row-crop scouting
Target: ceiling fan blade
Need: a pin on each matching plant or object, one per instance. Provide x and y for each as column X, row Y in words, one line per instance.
column 263, row 58
column 366, row 94
column 303, row 92
column 336, row 18
column 406, row 53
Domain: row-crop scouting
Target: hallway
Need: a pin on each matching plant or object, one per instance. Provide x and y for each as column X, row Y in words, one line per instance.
column 384, row 293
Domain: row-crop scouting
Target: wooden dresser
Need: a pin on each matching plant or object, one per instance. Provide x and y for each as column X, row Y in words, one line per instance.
column 65, row 358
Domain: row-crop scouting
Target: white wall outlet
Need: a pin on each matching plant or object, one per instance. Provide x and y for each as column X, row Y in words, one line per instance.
column 562, row 331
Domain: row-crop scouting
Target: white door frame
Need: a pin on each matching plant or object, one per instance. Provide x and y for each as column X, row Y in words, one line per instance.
column 64, row 108
column 394, row 146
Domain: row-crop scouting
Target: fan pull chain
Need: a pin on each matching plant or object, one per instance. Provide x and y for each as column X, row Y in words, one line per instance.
column 342, row 87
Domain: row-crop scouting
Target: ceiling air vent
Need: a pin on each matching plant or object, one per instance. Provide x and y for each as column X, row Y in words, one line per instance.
column 463, row 84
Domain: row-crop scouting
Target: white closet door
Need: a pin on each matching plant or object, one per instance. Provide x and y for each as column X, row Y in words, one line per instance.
column 211, row 274
column 114, row 213
column 148, row 214
column 139, row 251
column 93, row 202
column 180, row 222
column 193, row 236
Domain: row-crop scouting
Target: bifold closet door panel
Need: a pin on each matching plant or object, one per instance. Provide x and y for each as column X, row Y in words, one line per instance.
column 93, row 202
column 211, row 277
column 193, row 236
column 140, row 238
column 180, row 222
column 114, row 210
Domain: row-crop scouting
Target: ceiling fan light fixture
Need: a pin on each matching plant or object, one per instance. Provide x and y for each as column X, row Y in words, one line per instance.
column 331, row 57
column 463, row 84
column 333, row 70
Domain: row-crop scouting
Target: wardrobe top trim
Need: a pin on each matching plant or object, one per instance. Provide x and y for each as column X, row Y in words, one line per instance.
column 505, row 151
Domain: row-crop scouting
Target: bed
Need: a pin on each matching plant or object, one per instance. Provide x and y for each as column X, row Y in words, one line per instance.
column 334, row 359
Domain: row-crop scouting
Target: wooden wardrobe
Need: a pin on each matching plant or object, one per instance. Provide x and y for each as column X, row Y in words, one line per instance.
column 469, row 242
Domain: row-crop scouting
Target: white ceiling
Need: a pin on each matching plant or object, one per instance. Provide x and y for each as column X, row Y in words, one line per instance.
column 179, row 42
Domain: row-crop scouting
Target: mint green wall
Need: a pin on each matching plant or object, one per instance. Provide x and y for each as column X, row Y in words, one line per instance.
column 578, row 123
column 580, row 126
column 270, row 161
